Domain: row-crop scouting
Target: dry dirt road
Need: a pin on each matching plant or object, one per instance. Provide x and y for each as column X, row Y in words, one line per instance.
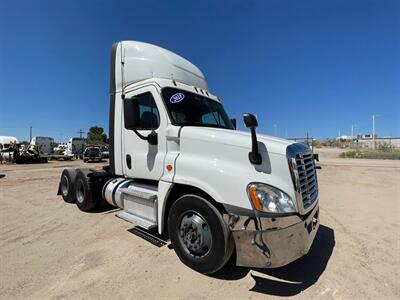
column 49, row 249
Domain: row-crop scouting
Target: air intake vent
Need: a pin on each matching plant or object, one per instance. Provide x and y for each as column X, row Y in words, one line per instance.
column 304, row 176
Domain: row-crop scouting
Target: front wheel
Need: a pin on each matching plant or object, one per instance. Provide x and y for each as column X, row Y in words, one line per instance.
column 199, row 235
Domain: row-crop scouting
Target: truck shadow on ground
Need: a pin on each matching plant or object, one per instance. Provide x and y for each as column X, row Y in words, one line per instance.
column 293, row 278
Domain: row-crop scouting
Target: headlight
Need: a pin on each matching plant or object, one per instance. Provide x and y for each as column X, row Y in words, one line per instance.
column 267, row 198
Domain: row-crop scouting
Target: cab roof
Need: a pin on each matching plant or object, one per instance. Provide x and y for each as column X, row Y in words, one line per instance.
column 133, row 61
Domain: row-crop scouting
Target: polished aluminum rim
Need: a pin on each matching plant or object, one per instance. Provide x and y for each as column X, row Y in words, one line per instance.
column 80, row 192
column 65, row 185
column 194, row 234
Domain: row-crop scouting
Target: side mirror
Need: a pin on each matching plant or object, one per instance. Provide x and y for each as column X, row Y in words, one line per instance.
column 233, row 121
column 130, row 111
column 152, row 138
column 250, row 120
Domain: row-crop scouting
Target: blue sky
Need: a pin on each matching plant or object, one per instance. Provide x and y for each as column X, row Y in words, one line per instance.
column 316, row 66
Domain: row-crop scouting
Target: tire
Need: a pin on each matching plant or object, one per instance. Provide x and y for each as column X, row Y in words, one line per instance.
column 67, row 183
column 85, row 195
column 85, row 160
column 199, row 235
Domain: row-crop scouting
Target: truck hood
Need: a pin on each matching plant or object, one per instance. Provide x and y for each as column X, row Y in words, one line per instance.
column 235, row 138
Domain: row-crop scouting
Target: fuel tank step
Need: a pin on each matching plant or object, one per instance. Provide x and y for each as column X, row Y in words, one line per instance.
column 138, row 192
column 141, row 222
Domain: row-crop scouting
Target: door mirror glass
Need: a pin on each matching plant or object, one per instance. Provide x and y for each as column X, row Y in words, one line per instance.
column 141, row 113
column 250, row 120
column 130, row 108
column 233, row 121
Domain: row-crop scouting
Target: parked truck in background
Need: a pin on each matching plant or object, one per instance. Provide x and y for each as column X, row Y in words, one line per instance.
column 43, row 143
column 178, row 164
column 6, row 153
column 92, row 153
column 76, row 146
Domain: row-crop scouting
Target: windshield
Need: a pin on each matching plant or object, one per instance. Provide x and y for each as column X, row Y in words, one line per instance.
column 190, row 109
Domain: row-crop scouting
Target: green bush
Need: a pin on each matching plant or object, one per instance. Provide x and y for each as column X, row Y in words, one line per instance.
column 350, row 154
column 370, row 154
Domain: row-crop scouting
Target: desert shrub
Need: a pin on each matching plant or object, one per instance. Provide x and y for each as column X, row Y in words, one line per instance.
column 350, row 154
column 386, row 147
column 370, row 154
column 380, row 155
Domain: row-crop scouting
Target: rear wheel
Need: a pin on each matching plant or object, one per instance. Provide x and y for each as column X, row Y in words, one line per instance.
column 199, row 235
column 67, row 185
column 85, row 196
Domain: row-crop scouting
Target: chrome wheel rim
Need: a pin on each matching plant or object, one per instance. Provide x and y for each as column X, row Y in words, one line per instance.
column 80, row 192
column 194, row 234
column 65, row 186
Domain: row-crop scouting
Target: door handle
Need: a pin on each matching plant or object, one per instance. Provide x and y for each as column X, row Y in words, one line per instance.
column 128, row 161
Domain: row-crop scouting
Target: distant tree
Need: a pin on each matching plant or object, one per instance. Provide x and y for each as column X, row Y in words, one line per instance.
column 96, row 135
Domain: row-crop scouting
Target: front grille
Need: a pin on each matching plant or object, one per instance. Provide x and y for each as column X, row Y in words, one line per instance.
column 303, row 172
column 308, row 186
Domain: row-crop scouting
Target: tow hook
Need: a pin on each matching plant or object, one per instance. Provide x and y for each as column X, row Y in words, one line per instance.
column 311, row 226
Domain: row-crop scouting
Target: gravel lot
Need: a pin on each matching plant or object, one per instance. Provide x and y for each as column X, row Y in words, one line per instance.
column 49, row 249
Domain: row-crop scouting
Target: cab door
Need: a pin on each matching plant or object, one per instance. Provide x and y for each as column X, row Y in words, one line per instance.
column 144, row 142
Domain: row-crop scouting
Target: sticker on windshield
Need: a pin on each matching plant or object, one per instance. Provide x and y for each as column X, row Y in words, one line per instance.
column 178, row 97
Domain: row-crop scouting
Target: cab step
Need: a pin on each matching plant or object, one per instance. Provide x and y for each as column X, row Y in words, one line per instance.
column 136, row 220
column 148, row 236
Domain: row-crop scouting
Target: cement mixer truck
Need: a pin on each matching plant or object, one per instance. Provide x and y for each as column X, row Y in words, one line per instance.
column 178, row 165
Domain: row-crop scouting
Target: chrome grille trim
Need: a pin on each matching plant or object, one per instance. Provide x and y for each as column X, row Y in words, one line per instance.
column 304, row 176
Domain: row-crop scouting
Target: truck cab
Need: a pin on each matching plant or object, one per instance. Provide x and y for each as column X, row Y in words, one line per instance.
column 178, row 164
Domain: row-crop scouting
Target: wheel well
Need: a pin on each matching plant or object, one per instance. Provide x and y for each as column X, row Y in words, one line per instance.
column 179, row 190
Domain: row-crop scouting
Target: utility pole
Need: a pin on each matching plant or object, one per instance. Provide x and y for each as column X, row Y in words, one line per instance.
column 30, row 134
column 276, row 129
column 352, row 131
column 80, row 133
column 373, row 131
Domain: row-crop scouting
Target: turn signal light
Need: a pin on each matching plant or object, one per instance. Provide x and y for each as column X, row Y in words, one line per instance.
column 253, row 196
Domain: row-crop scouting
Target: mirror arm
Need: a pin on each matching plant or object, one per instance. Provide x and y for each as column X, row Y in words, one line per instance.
column 254, row 155
column 140, row 135
column 150, row 139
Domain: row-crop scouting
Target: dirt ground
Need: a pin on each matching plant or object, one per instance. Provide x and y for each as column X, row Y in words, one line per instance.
column 49, row 249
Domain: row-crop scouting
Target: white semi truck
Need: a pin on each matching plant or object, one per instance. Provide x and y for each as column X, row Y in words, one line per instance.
column 178, row 164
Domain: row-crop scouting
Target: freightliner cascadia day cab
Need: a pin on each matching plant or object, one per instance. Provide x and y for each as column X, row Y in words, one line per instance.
column 178, row 164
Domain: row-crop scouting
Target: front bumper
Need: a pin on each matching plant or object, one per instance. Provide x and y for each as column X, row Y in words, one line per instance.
column 271, row 243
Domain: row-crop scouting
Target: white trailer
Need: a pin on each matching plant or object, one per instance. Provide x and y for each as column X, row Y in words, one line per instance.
column 44, row 143
column 76, row 146
column 178, row 164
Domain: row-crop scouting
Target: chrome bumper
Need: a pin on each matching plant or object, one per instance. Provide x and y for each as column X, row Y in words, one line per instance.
column 269, row 242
